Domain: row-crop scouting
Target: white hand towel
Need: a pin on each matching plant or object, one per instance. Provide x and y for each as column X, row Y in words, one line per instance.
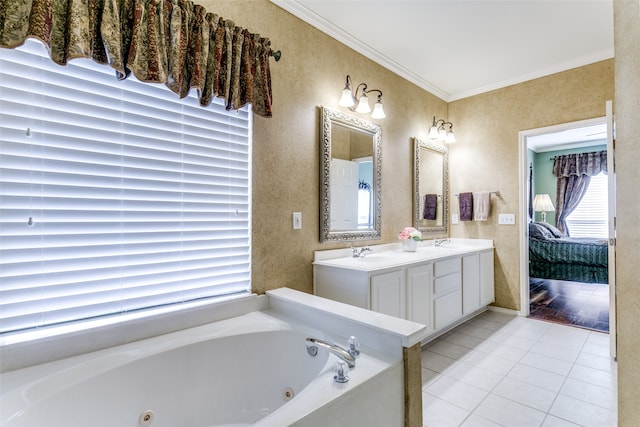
column 481, row 205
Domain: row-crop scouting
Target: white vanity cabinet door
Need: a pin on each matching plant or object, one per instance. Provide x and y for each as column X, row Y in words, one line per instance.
column 477, row 281
column 470, row 283
column 388, row 293
column 447, row 309
column 419, row 280
column 487, row 285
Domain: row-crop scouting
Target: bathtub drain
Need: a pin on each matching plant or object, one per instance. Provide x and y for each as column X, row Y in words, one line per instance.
column 287, row 394
column 146, row 418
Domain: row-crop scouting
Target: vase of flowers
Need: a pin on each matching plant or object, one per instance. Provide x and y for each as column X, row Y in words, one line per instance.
column 410, row 238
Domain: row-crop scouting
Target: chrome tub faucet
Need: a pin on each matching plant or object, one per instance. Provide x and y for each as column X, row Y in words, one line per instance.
column 348, row 355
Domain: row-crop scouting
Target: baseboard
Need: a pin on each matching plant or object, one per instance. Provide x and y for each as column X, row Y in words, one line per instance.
column 505, row 310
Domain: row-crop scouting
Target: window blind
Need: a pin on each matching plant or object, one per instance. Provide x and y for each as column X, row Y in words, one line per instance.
column 591, row 217
column 114, row 195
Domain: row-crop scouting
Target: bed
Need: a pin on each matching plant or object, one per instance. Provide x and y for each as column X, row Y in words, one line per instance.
column 578, row 259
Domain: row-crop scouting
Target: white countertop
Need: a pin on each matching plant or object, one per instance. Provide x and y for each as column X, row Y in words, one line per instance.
column 392, row 255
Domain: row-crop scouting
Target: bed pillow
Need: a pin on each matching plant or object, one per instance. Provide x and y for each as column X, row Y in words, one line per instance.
column 537, row 231
column 554, row 231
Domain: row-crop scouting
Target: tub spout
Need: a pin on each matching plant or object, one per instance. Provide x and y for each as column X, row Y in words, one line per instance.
column 342, row 353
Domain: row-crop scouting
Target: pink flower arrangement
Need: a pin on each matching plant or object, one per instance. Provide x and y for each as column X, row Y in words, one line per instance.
column 410, row 233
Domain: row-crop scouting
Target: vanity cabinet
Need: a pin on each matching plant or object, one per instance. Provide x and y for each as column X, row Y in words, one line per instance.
column 437, row 292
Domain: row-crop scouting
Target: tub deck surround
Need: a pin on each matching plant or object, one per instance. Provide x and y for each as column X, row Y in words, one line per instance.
column 194, row 377
column 380, row 331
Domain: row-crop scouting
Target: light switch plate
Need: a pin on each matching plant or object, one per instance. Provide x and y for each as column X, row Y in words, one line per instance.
column 297, row 220
column 454, row 218
column 507, row 219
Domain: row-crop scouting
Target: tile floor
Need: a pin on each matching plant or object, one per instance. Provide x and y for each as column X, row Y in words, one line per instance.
column 503, row 370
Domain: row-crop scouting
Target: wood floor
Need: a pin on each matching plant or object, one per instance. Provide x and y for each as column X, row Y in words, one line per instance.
column 585, row 305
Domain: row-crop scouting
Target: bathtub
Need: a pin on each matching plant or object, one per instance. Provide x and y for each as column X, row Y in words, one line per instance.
column 251, row 369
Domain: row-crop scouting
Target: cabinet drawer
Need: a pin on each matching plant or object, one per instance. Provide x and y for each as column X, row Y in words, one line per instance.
column 447, row 284
column 442, row 268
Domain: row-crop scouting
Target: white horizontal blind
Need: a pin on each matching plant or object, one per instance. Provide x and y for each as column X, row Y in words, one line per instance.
column 591, row 217
column 114, row 196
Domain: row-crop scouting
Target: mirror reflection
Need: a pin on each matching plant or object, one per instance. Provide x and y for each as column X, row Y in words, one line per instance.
column 350, row 181
column 431, row 188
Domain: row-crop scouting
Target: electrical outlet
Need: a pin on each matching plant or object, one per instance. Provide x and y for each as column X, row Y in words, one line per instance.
column 507, row 219
column 297, row 220
column 454, row 218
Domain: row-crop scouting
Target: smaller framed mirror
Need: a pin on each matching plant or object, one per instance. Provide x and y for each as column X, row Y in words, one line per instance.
column 350, row 178
column 431, row 188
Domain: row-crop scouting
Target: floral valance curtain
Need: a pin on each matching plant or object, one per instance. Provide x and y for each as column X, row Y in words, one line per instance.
column 574, row 172
column 162, row 41
column 589, row 164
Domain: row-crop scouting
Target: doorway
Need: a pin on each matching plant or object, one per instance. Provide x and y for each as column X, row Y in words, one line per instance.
column 544, row 143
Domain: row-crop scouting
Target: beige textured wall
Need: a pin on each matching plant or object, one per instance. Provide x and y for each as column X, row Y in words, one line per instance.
column 627, row 110
column 286, row 149
column 486, row 154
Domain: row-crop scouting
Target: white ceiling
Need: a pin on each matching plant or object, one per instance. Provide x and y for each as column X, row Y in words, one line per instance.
column 564, row 137
column 459, row 48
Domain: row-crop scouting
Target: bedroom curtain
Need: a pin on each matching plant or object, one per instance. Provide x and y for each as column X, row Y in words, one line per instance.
column 160, row 41
column 574, row 172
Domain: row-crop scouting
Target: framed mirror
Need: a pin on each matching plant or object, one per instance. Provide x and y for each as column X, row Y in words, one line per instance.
column 430, row 188
column 350, row 178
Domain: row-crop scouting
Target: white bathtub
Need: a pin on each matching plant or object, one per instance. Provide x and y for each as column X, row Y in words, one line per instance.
column 252, row 369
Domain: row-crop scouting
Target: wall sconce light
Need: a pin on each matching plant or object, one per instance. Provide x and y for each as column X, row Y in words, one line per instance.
column 361, row 105
column 442, row 131
column 542, row 202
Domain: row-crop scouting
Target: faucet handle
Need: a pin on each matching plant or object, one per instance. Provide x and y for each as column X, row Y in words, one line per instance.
column 354, row 346
column 341, row 370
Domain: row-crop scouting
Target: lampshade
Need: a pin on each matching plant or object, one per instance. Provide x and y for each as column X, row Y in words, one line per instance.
column 442, row 135
column 378, row 111
column 542, row 202
column 451, row 138
column 346, row 100
column 433, row 133
column 363, row 104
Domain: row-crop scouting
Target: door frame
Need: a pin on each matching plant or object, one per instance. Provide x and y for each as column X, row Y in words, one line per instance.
column 524, row 202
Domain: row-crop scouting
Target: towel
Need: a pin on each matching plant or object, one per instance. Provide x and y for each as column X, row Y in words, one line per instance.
column 466, row 206
column 481, row 205
column 430, row 205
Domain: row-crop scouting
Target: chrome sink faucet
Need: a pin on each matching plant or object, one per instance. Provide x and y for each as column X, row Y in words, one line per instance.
column 349, row 356
column 440, row 242
column 361, row 252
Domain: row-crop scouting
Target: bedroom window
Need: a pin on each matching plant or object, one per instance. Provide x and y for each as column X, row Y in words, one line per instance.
column 591, row 217
column 115, row 196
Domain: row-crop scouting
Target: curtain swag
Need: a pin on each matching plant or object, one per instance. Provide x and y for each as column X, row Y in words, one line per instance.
column 588, row 164
column 160, row 41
